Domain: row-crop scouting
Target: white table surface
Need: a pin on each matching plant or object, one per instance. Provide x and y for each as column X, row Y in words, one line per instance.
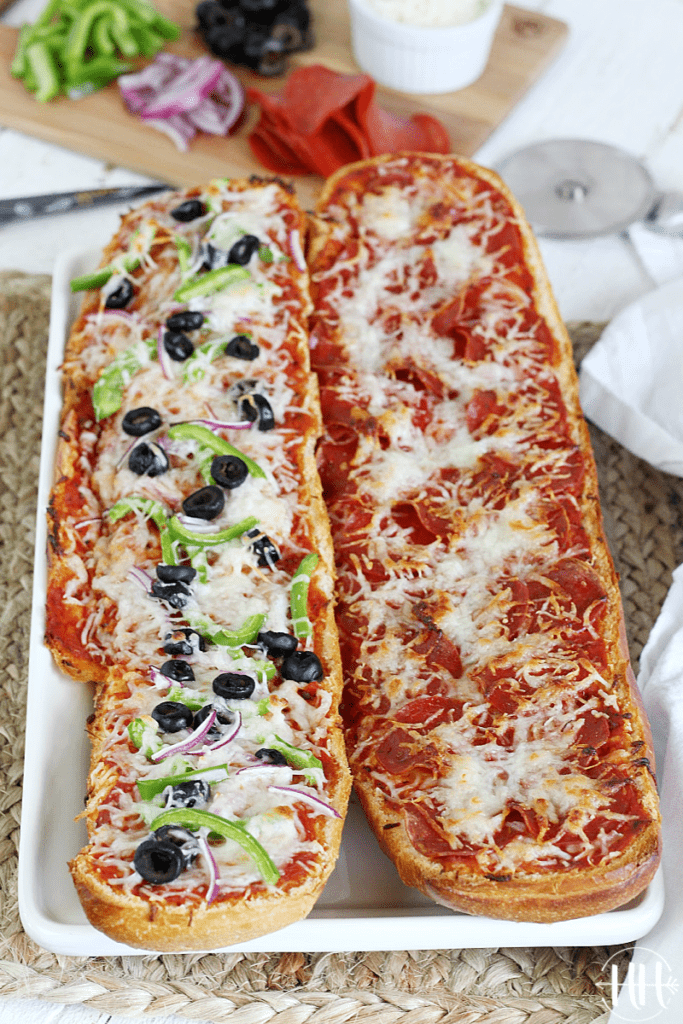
column 618, row 80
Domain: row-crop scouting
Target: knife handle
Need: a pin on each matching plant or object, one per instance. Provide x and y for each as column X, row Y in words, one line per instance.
column 27, row 207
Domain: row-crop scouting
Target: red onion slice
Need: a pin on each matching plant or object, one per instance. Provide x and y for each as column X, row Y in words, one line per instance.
column 165, row 361
column 186, row 91
column 179, row 96
column 190, row 743
column 229, row 737
column 87, row 522
column 299, row 794
column 141, row 577
column 223, row 425
column 212, row 867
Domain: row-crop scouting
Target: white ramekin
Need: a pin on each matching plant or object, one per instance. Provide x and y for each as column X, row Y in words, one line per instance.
column 413, row 58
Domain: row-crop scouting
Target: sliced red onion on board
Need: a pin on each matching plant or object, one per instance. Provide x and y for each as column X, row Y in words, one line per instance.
column 179, row 97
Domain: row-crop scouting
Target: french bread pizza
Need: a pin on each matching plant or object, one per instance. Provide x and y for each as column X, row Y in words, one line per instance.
column 191, row 575
column 493, row 725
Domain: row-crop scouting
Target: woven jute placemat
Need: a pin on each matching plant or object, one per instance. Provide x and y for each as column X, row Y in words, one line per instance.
column 470, row 986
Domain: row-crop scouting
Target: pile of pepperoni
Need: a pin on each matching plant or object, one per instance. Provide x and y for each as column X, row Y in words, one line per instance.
column 322, row 120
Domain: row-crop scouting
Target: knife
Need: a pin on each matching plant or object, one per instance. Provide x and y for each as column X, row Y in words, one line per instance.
column 27, row 207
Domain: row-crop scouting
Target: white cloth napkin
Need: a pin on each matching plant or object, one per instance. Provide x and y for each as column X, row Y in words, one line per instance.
column 632, row 387
column 661, row 255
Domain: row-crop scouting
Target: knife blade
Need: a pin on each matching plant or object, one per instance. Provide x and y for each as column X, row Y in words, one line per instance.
column 28, row 207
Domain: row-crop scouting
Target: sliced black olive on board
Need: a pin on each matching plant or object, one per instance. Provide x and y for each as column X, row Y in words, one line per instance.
column 271, row 756
column 120, row 296
column 178, row 346
column 264, row 549
column 206, row 503
column 276, row 644
column 178, row 671
column 242, row 347
column 229, row 471
column 233, row 686
column 158, row 861
column 176, row 574
column 189, row 210
column 138, row 422
column 172, row 716
column 264, row 54
column 175, row 594
column 185, row 320
column 180, row 837
column 259, row 7
column 183, row 641
column 191, row 793
column 243, row 249
column 257, row 409
column 302, row 667
column 148, row 459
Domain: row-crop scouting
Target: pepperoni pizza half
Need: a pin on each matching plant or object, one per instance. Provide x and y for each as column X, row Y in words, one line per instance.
column 493, row 725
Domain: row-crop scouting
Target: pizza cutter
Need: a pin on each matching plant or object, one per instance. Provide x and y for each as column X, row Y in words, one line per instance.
column 576, row 188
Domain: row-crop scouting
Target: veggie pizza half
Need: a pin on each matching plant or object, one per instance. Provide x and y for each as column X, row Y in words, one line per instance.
column 191, row 575
column 493, row 724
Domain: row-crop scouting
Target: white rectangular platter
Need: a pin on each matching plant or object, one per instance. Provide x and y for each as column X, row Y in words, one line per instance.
column 364, row 906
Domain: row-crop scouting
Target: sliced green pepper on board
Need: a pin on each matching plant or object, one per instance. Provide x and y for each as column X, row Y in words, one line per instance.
column 193, row 819
column 80, row 43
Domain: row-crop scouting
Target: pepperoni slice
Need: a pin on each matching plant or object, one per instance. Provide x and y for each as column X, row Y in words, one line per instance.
column 580, row 581
column 399, row 752
column 430, row 710
column 322, row 120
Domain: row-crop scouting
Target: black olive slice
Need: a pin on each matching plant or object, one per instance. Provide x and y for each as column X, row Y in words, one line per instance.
column 233, row 686
column 178, row 671
column 175, row 594
column 264, row 549
column 172, row 716
column 158, row 861
column 189, row 210
column 148, row 459
column 176, row 573
column 212, row 256
column 206, row 503
column 242, row 347
column 185, row 320
column 257, row 409
column 256, row 7
column 191, row 793
column 271, row 756
column 138, row 422
column 243, row 249
column 222, row 718
column 183, row 641
column 302, row 666
column 121, row 296
column 229, row 471
column 178, row 346
column 277, row 644
column 180, row 837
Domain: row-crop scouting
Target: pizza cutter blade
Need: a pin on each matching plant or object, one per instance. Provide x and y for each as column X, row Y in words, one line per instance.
column 576, row 188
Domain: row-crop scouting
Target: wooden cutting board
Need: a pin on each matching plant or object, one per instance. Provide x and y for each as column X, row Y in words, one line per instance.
column 100, row 126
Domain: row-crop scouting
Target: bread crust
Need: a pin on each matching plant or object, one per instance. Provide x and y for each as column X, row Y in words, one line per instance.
column 544, row 895
column 101, row 630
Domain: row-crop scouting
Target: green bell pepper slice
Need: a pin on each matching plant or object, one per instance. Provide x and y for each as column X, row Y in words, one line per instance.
column 193, row 819
column 211, row 282
column 298, row 600
column 206, row 438
column 148, row 788
column 108, row 391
